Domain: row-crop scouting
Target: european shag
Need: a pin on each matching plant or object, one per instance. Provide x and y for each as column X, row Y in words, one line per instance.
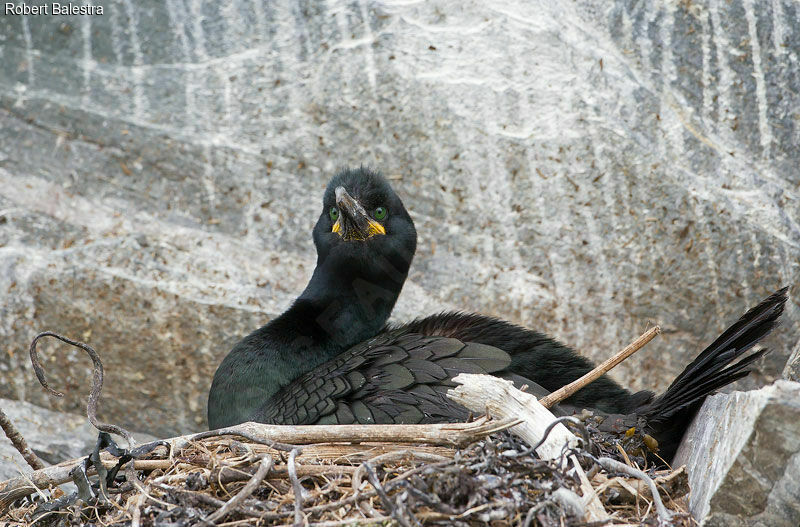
column 331, row 359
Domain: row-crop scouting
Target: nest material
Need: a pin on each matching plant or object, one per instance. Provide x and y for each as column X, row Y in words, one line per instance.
column 345, row 475
column 228, row 481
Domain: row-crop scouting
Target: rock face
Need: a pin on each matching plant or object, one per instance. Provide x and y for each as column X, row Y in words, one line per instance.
column 53, row 436
column 743, row 456
column 586, row 169
column 792, row 369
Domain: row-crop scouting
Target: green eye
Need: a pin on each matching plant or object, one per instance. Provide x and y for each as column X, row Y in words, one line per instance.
column 380, row 213
column 334, row 213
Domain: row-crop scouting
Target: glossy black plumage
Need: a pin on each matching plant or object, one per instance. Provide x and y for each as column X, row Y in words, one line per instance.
column 328, row 360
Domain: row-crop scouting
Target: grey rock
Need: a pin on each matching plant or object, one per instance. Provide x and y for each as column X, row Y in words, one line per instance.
column 742, row 454
column 583, row 168
column 792, row 369
column 53, row 436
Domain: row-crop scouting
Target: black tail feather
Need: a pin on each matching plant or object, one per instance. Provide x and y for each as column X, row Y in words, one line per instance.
column 704, row 384
column 740, row 337
column 669, row 414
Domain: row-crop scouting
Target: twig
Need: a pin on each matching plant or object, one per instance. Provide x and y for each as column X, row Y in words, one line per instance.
column 390, row 457
column 564, row 419
column 136, row 515
column 565, row 391
column 594, row 507
column 227, row 475
column 454, row 434
column 233, row 431
column 94, row 393
column 250, row 487
column 613, row 465
column 387, row 502
column 297, row 488
column 19, row 442
column 214, row 502
column 361, row 522
column 675, row 484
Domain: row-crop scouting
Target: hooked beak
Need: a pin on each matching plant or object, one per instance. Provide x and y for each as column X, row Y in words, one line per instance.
column 354, row 223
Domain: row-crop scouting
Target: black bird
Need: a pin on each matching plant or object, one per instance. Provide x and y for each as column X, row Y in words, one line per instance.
column 330, row 358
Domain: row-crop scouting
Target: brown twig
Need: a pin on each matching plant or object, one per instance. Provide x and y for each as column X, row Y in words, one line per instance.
column 387, row 502
column 391, row 457
column 263, row 469
column 361, row 522
column 565, row 391
column 202, row 498
column 297, row 488
column 97, row 383
column 19, row 442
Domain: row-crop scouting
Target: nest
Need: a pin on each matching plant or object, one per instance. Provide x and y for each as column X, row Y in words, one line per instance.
column 225, row 480
column 460, row 474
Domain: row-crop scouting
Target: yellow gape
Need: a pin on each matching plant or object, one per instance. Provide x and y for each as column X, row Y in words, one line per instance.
column 373, row 228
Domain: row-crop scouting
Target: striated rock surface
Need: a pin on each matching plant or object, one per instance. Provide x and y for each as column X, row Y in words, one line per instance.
column 584, row 168
column 743, row 456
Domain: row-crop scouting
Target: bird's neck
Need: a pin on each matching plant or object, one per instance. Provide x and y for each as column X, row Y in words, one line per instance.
column 336, row 311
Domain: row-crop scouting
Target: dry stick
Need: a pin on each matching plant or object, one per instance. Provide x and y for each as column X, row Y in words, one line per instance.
column 228, row 476
column 612, row 465
column 352, row 498
column 565, row 391
column 250, row 487
column 205, row 499
column 361, row 522
column 296, row 488
column 391, row 457
column 97, row 384
column 275, row 445
column 385, row 499
column 350, row 453
column 590, row 497
column 674, row 484
column 454, row 434
column 19, row 442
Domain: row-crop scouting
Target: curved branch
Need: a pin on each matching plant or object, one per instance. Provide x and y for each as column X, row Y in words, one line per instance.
column 97, row 383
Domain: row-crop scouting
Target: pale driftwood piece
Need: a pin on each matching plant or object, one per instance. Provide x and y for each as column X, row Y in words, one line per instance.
column 454, row 434
column 499, row 399
column 565, row 391
column 486, row 394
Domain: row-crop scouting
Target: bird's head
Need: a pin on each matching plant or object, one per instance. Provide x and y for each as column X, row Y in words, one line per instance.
column 364, row 225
